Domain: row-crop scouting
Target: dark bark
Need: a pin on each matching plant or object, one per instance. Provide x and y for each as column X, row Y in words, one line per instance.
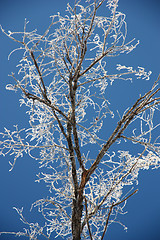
column 76, row 218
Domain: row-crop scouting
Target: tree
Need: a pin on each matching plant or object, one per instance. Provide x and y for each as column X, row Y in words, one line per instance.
column 63, row 77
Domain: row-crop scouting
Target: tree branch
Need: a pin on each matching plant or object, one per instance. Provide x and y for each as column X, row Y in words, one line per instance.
column 90, row 233
column 110, row 211
column 136, row 109
column 44, row 91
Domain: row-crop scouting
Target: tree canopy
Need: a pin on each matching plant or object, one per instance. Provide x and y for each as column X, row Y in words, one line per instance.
column 63, row 78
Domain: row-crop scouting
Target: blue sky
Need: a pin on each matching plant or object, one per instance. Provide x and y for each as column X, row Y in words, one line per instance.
column 17, row 188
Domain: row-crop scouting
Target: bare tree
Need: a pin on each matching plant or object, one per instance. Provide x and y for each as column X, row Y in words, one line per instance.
column 63, row 78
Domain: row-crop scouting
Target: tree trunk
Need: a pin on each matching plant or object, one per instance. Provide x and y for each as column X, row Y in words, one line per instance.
column 76, row 218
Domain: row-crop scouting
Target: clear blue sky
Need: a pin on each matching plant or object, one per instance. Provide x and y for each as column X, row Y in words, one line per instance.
column 17, row 188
